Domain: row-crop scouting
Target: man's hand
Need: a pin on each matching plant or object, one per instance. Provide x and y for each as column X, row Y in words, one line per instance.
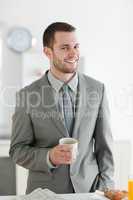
column 61, row 154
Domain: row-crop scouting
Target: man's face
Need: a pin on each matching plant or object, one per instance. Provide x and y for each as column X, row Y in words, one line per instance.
column 65, row 52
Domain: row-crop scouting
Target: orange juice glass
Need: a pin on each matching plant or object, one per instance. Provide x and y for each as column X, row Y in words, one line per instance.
column 130, row 187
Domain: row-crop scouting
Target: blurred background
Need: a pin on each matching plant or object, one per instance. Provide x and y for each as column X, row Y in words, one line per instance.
column 105, row 32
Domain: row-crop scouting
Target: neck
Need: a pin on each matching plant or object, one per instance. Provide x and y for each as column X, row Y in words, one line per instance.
column 65, row 77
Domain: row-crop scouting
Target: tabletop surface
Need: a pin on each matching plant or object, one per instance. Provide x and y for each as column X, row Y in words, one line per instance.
column 78, row 196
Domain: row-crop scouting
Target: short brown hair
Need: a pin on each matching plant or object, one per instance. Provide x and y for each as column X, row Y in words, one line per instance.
column 48, row 35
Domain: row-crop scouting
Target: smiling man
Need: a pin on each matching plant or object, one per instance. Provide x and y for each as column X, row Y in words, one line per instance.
column 63, row 103
column 63, row 55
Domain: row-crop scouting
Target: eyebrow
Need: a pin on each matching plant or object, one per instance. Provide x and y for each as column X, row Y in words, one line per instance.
column 67, row 45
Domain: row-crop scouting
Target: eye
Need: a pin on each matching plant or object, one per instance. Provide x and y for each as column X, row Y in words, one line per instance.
column 64, row 48
column 76, row 46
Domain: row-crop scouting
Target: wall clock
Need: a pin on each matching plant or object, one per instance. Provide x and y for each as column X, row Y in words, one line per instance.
column 19, row 39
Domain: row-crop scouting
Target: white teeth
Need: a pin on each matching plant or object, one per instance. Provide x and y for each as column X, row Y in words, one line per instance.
column 70, row 61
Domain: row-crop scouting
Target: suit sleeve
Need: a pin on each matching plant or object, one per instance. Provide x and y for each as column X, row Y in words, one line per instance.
column 22, row 148
column 104, row 145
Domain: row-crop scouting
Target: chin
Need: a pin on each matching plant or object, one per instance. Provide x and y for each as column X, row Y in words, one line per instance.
column 70, row 70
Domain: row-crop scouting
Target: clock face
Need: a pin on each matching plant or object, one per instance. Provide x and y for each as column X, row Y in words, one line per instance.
column 19, row 39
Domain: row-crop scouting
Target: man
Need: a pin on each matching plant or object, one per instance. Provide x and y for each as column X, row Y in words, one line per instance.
column 41, row 119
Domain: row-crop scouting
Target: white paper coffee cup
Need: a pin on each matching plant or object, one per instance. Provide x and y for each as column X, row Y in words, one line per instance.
column 73, row 143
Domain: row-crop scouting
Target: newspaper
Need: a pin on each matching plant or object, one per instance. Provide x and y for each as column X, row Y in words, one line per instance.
column 46, row 194
column 39, row 194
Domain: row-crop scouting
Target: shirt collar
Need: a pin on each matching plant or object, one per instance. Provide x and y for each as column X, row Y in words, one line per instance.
column 57, row 84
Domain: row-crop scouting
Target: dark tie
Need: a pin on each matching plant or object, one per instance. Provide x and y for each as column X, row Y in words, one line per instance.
column 68, row 109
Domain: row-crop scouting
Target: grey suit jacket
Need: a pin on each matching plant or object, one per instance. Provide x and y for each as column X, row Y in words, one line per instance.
column 38, row 126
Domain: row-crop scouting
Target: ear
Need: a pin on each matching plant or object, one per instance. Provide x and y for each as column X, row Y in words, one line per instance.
column 47, row 51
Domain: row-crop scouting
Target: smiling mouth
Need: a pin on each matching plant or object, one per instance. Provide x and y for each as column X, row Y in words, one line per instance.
column 71, row 61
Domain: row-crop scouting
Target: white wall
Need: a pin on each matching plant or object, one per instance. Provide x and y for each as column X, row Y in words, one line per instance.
column 106, row 37
column 11, row 80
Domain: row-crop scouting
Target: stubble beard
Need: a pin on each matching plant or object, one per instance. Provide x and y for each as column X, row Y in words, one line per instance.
column 63, row 68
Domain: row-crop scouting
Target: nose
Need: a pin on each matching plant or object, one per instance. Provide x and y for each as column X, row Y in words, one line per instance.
column 72, row 52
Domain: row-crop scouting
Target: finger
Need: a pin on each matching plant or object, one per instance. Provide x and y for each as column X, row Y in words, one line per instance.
column 66, row 156
column 65, row 147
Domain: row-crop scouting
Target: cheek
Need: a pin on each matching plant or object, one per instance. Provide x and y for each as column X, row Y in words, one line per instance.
column 78, row 52
column 58, row 55
column 61, row 57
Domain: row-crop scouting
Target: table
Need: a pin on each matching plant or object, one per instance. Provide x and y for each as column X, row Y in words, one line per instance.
column 78, row 196
column 83, row 196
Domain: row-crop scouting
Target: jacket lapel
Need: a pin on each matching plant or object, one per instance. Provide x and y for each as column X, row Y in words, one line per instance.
column 49, row 105
column 80, row 105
